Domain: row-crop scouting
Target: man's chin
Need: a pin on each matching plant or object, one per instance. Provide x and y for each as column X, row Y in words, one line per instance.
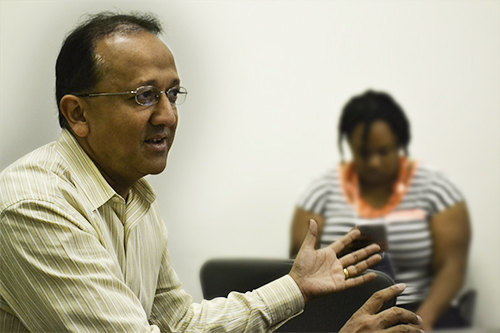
column 156, row 168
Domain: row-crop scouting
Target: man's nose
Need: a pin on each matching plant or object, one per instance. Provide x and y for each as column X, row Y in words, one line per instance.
column 165, row 113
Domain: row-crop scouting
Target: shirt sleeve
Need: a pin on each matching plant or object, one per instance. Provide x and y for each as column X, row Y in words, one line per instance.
column 442, row 192
column 314, row 198
column 56, row 276
column 262, row 310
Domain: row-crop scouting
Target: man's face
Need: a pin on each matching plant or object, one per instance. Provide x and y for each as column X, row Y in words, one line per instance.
column 126, row 140
column 377, row 162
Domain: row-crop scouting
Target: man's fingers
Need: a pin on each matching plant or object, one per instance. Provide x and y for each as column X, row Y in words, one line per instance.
column 355, row 270
column 345, row 240
column 355, row 257
column 403, row 329
column 395, row 315
column 368, row 320
column 353, row 282
column 375, row 302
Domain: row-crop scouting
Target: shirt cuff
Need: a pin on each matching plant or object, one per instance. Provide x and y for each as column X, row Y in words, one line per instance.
column 284, row 299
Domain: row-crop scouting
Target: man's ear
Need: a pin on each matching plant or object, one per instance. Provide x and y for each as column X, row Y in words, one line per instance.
column 72, row 108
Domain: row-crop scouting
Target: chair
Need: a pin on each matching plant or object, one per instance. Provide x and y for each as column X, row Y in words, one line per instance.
column 325, row 314
column 466, row 306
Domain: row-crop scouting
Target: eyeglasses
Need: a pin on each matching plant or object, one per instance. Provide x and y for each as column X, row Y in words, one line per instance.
column 148, row 95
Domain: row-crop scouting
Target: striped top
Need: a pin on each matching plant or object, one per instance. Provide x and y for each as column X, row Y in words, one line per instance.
column 75, row 256
column 418, row 195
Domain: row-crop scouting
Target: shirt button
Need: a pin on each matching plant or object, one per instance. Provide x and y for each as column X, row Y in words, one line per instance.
column 288, row 312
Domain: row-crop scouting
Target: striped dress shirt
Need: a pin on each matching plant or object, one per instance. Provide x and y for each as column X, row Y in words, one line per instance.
column 76, row 257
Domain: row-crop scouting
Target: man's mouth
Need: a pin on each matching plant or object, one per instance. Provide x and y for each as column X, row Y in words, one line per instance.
column 155, row 141
column 157, row 138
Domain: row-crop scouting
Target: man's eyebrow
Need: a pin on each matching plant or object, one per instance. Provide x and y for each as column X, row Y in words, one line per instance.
column 155, row 83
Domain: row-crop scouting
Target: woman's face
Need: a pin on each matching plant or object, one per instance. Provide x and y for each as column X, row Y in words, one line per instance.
column 377, row 161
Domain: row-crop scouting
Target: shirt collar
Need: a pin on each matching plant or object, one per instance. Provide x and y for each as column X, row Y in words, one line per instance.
column 87, row 176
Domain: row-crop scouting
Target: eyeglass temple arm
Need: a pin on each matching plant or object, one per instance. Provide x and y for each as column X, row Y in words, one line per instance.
column 105, row 94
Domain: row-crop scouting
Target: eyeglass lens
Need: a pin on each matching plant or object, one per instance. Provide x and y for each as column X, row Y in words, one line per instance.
column 149, row 95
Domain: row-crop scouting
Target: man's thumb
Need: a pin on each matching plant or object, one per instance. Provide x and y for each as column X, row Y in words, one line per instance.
column 312, row 232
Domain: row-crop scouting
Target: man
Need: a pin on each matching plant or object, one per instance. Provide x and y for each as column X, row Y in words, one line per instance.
column 82, row 244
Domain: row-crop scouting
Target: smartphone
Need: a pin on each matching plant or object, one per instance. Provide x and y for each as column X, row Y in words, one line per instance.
column 373, row 231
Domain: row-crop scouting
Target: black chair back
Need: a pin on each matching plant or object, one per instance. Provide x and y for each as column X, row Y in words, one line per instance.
column 325, row 314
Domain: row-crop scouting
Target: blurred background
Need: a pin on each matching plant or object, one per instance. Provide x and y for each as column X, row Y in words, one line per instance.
column 266, row 81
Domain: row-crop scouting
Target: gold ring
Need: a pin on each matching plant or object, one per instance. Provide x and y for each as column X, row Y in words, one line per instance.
column 346, row 273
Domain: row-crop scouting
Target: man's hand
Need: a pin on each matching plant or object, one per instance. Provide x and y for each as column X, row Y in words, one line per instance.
column 367, row 320
column 320, row 272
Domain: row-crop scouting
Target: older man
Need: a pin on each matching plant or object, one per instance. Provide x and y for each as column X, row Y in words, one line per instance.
column 82, row 244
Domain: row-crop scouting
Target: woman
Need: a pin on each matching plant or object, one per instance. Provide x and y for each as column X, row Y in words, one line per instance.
column 425, row 216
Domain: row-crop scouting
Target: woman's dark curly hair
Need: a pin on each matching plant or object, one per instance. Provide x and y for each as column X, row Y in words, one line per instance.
column 368, row 108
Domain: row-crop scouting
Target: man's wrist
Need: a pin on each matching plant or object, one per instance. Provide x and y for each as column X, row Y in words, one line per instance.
column 283, row 298
column 295, row 279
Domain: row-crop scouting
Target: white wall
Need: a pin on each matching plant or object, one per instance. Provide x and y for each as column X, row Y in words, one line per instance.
column 266, row 81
